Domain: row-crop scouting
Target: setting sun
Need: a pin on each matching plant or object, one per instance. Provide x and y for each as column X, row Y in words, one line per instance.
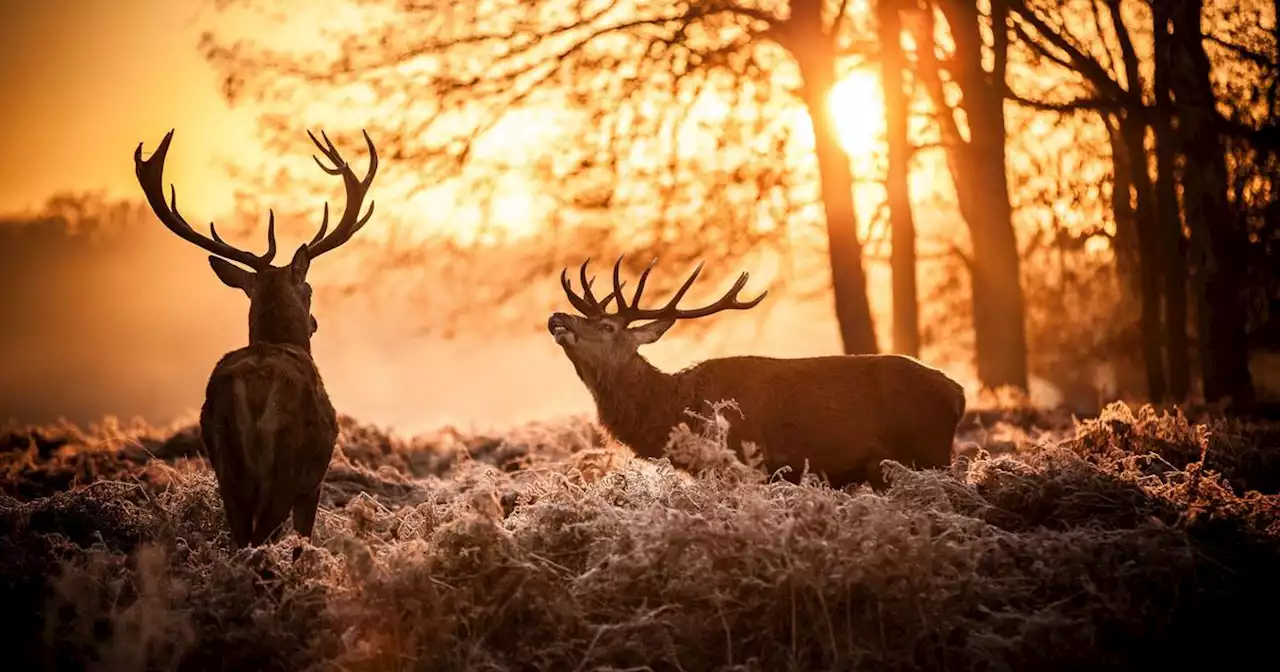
column 858, row 105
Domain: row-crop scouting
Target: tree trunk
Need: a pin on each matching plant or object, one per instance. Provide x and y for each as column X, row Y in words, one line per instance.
column 1173, row 245
column 1124, row 244
column 1133, row 160
column 1218, row 245
column 814, row 52
column 906, row 312
column 982, row 187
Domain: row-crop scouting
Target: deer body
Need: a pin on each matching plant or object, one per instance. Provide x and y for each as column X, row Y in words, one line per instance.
column 841, row 413
column 267, row 424
column 269, row 430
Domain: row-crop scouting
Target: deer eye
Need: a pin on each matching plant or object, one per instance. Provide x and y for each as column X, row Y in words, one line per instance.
column 607, row 327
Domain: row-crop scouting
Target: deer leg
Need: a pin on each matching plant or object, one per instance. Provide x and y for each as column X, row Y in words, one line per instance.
column 304, row 512
column 271, row 516
column 237, row 507
column 241, row 523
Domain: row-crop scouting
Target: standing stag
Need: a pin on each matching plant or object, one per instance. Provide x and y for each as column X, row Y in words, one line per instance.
column 267, row 423
column 843, row 413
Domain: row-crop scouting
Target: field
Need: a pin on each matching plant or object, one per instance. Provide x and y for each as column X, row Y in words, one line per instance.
column 1134, row 540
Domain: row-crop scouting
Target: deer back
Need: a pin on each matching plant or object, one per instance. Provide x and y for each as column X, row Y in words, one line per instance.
column 267, row 422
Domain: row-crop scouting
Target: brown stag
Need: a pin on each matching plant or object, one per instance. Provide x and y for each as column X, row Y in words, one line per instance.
column 267, row 424
column 842, row 413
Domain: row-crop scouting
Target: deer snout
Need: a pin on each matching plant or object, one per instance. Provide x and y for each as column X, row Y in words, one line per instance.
column 559, row 326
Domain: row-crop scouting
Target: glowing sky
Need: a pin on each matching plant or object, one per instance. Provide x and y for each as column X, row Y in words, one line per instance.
column 86, row 81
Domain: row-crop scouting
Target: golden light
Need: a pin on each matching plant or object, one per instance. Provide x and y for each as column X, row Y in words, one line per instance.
column 858, row 105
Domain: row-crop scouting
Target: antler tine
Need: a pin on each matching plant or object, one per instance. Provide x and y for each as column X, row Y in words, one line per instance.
column 586, row 285
column 619, row 283
column 727, row 302
column 578, row 303
column 150, row 175
column 356, row 189
column 644, row 275
column 671, row 305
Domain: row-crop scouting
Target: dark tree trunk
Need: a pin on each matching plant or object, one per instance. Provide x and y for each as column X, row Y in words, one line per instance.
column 982, row 188
column 1132, row 160
column 1132, row 132
column 814, row 51
column 1124, row 243
column 1173, row 244
column 1218, row 245
column 906, row 313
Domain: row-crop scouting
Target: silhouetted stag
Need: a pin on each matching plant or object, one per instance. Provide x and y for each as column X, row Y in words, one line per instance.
column 842, row 413
column 267, row 423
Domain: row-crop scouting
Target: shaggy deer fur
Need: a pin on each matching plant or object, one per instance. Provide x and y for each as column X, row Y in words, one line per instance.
column 844, row 414
column 267, row 424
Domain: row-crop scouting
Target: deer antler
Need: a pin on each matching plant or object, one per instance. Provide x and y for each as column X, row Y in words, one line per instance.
column 590, row 307
column 151, row 177
column 356, row 190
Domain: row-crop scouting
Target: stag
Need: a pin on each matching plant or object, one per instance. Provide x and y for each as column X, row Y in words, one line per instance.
column 267, row 424
column 842, row 414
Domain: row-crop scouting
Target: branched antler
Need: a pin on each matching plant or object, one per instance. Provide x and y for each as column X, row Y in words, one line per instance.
column 356, row 190
column 631, row 312
column 151, row 177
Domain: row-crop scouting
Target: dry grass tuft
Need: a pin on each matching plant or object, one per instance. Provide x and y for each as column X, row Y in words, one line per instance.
column 1133, row 540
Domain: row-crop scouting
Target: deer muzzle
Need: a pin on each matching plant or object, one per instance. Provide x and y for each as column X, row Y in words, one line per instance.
column 559, row 326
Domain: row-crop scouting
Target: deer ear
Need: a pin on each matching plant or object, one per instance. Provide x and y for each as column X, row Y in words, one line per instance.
column 298, row 267
column 232, row 275
column 652, row 331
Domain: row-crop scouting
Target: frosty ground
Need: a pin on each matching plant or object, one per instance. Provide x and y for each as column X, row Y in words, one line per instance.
column 1136, row 539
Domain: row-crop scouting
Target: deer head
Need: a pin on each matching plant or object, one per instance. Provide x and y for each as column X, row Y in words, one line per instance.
column 600, row 341
column 279, row 297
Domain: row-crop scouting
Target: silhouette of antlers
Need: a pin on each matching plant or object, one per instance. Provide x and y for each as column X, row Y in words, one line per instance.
column 589, row 306
column 356, row 190
column 151, row 177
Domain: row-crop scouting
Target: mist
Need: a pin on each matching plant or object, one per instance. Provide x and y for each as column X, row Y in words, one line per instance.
column 121, row 318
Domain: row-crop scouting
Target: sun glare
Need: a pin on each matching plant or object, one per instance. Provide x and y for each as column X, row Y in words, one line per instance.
column 858, row 105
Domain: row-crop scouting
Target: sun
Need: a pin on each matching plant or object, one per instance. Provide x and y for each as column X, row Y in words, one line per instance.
column 857, row 103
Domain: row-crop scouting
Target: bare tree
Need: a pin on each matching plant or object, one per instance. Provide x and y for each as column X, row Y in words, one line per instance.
column 1218, row 255
column 893, row 65
column 627, row 80
column 1173, row 243
column 976, row 159
column 1181, row 107
column 1109, row 63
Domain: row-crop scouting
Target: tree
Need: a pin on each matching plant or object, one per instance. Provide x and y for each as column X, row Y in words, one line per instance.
column 977, row 166
column 893, row 66
column 1218, row 251
column 1186, row 123
column 626, row 79
column 1173, row 243
column 1116, row 92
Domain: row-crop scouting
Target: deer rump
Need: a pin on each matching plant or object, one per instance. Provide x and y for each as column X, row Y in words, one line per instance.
column 843, row 413
column 269, row 430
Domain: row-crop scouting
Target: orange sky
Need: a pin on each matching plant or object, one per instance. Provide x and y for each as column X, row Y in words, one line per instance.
column 95, row 77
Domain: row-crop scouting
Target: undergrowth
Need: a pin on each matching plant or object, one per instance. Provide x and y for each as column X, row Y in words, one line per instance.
column 1132, row 540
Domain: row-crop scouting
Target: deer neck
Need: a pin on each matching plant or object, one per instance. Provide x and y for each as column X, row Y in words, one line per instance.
column 637, row 403
column 271, row 324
